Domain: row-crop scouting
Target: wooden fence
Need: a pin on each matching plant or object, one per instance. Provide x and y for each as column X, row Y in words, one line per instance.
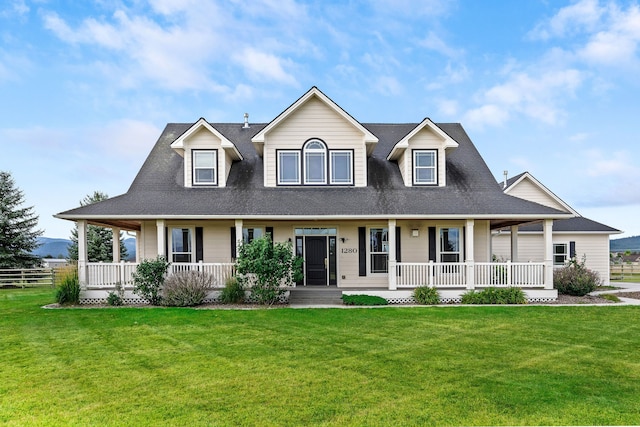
column 27, row 277
column 619, row 271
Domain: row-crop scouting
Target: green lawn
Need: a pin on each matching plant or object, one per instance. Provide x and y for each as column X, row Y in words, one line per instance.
column 389, row 366
column 628, row 278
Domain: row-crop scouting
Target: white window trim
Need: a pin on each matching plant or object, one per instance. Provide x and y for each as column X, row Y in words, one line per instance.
column 194, row 168
column 565, row 254
column 415, row 167
column 440, row 252
column 370, row 271
column 254, row 227
column 192, row 242
column 279, row 168
column 331, row 155
column 315, row 151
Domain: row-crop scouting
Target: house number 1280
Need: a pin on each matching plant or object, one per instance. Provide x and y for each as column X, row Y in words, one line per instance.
column 349, row 251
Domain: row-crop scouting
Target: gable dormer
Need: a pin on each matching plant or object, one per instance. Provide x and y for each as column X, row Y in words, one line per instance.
column 314, row 142
column 207, row 154
column 421, row 155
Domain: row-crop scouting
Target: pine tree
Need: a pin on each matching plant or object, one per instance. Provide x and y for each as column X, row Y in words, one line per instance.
column 99, row 239
column 18, row 233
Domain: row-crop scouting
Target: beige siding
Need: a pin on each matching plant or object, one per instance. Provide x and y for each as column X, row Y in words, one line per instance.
column 150, row 240
column 227, row 165
column 481, row 240
column 527, row 190
column 595, row 247
column 315, row 119
column 425, row 139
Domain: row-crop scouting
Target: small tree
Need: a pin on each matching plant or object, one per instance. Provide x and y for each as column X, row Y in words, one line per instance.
column 576, row 279
column 268, row 266
column 99, row 239
column 18, row 233
column 149, row 278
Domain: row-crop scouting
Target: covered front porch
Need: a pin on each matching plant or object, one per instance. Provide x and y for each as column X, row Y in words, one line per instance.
column 397, row 281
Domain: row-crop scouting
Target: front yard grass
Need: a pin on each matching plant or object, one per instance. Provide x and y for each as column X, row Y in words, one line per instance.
column 532, row 365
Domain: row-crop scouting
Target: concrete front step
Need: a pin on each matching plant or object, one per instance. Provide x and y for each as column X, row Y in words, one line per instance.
column 315, row 296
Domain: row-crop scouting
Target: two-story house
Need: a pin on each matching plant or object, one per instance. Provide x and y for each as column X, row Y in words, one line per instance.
column 375, row 208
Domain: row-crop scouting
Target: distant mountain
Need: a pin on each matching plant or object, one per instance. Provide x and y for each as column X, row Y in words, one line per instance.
column 625, row 244
column 52, row 248
column 59, row 248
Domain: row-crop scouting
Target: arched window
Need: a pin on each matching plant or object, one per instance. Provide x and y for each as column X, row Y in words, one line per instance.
column 315, row 162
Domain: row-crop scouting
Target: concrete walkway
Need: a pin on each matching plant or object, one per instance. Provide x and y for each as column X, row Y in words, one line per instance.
column 622, row 287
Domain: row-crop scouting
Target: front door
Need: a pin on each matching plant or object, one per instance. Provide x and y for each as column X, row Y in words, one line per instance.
column 315, row 260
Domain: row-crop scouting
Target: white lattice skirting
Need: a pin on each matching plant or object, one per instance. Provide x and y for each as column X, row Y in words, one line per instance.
column 99, row 296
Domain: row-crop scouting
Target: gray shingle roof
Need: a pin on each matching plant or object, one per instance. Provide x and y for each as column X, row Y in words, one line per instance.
column 576, row 224
column 158, row 188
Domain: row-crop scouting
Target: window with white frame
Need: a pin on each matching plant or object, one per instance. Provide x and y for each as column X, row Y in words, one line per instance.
column 425, row 167
column 559, row 253
column 378, row 250
column 289, row 167
column 248, row 234
column 315, row 163
column 450, row 244
column 181, row 245
column 204, row 167
column 341, row 167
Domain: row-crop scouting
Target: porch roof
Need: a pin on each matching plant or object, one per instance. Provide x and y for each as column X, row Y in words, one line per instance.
column 158, row 190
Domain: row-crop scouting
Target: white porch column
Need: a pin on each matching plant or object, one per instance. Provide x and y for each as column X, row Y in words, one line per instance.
column 115, row 231
column 514, row 243
column 139, row 254
column 469, row 253
column 547, row 231
column 82, row 252
column 162, row 244
column 239, row 236
column 391, row 236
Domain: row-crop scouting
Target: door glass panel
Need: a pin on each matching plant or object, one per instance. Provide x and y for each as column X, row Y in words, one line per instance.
column 333, row 275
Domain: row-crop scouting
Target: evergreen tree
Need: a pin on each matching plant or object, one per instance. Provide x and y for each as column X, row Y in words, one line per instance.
column 99, row 239
column 18, row 233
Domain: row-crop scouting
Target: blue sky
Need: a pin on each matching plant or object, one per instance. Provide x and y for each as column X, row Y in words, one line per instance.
column 549, row 87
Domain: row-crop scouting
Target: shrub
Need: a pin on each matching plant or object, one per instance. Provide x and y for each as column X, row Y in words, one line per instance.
column 68, row 288
column 576, row 279
column 115, row 297
column 426, row 295
column 363, row 300
column 233, row 292
column 148, row 279
column 510, row 295
column 267, row 267
column 186, row 288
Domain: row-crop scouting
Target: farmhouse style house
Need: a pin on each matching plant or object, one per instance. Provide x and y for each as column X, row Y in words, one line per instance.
column 372, row 208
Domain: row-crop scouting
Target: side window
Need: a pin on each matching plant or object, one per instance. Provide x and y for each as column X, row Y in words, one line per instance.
column 204, row 167
column 378, row 250
column 559, row 253
column 425, row 167
column 288, row 167
column 248, row 234
column 341, row 167
column 181, row 245
column 450, row 244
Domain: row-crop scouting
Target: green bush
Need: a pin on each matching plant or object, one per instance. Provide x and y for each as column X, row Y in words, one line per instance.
column 186, row 288
column 68, row 288
column 575, row 279
column 426, row 295
column 363, row 300
column 233, row 292
column 510, row 295
column 267, row 268
column 149, row 278
column 114, row 299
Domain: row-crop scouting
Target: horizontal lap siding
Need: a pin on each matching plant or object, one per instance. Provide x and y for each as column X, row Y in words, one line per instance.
column 315, row 120
column 529, row 191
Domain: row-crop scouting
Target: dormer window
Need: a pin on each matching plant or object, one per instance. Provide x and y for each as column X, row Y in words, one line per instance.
column 205, row 167
column 425, row 167
column 314, row 164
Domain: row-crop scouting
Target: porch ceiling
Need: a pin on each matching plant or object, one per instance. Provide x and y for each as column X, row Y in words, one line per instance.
column 123, row 224
column 497, row 224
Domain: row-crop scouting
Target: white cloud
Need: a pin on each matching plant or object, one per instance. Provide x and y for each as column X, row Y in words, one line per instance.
column 615, row 164
column 387, row 85
column 14, row 8
column 448, row 107
column 435, row 43
column 579, row 137
column 580, row 16
column 263, row 66
column 537, row 97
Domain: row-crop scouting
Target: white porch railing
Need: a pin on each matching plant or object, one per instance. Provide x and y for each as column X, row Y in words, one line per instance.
column 107, row 275
column 455, row 275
